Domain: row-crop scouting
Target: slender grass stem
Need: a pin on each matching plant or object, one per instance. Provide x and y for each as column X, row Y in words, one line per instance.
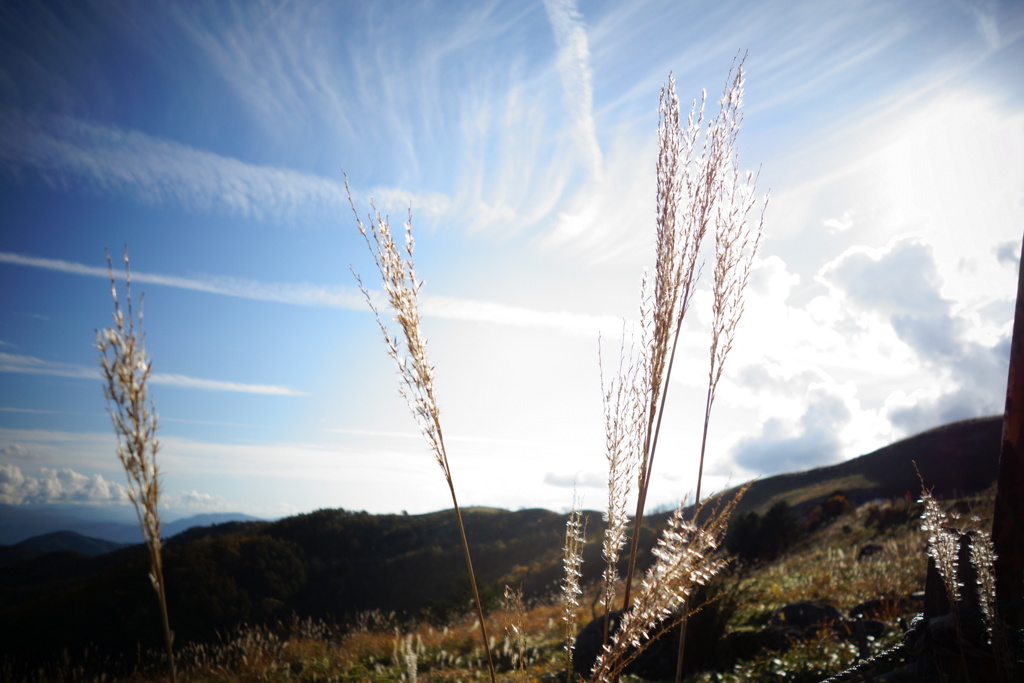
column 472, row 579
column 400, row 283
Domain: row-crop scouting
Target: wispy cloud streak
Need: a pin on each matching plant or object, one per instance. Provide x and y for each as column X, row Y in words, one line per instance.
column 294, row 294
column 217, row 385
column 305, row 294
column 30, row 365
column 105, row 159
column 108, row 159
column 10, row 362
column 574, row 69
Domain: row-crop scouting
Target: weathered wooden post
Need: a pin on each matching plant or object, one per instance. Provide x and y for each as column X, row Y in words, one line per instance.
column 1008, row 518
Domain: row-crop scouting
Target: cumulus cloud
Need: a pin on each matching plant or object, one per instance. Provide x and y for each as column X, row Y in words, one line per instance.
column 814, row 441
column 919, row 411
column 1008, row 253
column 196, row 501
column 57, row 486
column 771, row 279
column 769, row 376
column 899, row 279
column 900, row 284
column 937, row 338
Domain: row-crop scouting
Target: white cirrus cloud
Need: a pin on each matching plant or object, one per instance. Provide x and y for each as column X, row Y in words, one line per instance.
column 106, row 159
column 31, row 365
column 306, row 294
column 574, row 69
column 299, row 294
column 10, row 362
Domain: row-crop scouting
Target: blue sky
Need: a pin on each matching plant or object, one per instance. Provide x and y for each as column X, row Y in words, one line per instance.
column 210, row 137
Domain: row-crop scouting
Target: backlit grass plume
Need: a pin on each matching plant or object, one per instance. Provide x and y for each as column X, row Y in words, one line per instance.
column 944, row 548
column 572, row 561
column 126, row 371
column 685, row 558
column 400, row 283
column 699, row 190
column 624, row 409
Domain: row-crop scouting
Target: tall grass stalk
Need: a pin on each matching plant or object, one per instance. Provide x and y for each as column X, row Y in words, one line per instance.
column 126, row 370
column 401, row 285
column 699, row 188
column 736, row 244
column 699, row 185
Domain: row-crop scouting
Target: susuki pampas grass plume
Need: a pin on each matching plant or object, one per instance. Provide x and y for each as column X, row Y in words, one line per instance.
column 623, row 410
column 572, row 560
column 685, row 558
column 398, row 278
column 126, row 369
column 736, row 243
column 944, row 548
column 699, row 189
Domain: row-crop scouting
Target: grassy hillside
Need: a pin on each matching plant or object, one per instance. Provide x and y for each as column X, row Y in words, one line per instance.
column 955, row 460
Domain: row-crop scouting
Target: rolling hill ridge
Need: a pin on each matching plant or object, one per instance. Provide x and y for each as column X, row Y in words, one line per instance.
column 334, row 564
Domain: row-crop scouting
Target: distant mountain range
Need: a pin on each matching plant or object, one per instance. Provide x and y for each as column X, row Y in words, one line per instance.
column 57, row 541
column 21, row 522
